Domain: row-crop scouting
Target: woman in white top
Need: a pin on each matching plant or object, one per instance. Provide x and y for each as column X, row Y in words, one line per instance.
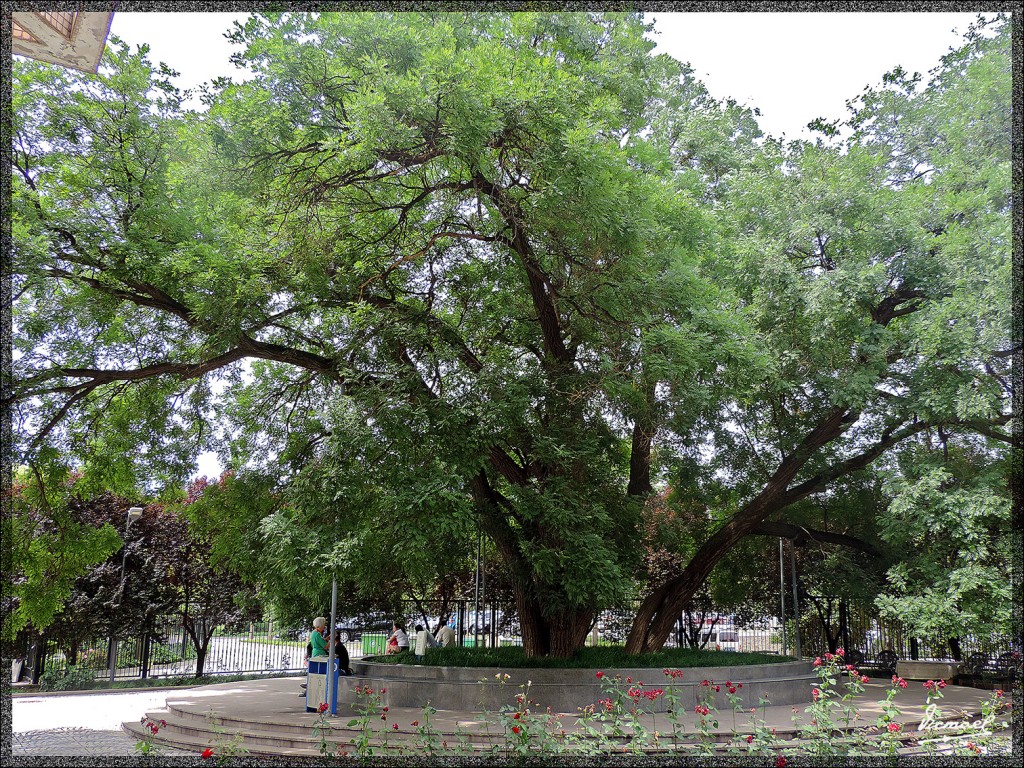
column 398, row 636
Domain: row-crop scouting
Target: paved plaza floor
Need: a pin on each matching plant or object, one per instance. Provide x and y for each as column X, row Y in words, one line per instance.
column 81, row 723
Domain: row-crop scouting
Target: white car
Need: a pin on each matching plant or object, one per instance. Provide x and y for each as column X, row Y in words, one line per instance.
column 722, row 639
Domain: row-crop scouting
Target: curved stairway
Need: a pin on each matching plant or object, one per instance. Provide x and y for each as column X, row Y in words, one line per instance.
column 267, row 718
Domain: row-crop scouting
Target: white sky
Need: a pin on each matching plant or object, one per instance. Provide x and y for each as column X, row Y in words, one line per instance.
column 792, row 66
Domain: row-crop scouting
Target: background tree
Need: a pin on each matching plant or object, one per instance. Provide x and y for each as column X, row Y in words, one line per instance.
column 50, row 544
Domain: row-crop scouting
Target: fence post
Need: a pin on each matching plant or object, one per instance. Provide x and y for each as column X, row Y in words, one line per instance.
column 461, row 623
column 145, row 655
column 112, row 656
column 796, row 597
column 37, row 657
column 782, row 599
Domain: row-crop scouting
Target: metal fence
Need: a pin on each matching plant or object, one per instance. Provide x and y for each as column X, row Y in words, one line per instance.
column 169, row 652
column 266, row 648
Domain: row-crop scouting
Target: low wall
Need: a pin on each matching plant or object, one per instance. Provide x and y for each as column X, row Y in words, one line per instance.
column 566, row 690
column 927, row 670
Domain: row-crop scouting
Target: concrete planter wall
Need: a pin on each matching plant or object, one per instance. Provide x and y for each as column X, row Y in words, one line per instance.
column 926, row 670
column 566, row 690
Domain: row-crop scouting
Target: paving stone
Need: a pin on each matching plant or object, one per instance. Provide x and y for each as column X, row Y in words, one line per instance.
column 76, row 741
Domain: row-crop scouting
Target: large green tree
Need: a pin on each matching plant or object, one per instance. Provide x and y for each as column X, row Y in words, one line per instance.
column 461, row 271
column 876, row 275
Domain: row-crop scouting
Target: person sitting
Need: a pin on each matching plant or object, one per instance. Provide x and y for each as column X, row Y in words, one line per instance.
column 398, row 641
column 446, row 636
column 341, row 654
column 424, row 640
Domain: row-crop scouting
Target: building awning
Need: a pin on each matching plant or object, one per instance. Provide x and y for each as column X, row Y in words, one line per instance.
column 71, row 39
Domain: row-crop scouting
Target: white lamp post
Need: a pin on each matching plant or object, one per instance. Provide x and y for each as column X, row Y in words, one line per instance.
column 134, row 513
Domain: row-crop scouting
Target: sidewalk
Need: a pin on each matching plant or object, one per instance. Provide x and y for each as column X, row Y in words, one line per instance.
column 81, row 722
column 77, row 742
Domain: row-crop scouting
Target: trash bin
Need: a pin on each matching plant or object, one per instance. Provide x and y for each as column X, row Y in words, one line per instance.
column 374, row 643
column 316, row 684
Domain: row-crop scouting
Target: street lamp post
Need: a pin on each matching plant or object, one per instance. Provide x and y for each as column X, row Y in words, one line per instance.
column 133, row 514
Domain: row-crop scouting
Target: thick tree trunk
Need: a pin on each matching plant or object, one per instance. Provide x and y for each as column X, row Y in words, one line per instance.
column 560, row 636
column 662, row 607
column 536, row 633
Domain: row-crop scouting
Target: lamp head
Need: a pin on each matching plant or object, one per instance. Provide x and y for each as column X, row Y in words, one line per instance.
column 134, row 514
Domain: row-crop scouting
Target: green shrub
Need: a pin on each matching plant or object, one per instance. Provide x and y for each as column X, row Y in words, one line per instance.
column 160, row 653
column 601, row 657
column 74, row 678
column 92, row 658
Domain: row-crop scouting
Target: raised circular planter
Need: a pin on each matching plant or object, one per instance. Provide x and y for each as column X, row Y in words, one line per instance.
column 566, row 690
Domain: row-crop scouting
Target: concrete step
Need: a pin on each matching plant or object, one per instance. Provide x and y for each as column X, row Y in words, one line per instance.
column 185, row 730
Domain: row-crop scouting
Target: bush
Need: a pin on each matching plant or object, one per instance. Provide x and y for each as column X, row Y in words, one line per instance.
column 92, row 658
column 74, row 678
column 601, row 657
column 160, row 653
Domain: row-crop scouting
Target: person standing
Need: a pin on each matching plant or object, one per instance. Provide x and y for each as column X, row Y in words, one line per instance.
column 318, row 639
column 317, row 645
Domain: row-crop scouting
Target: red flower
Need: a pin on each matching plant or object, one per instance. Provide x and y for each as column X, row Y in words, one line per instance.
column 382, row 690
column 942, row 683
column 207, row 754
column 817, row 662
column 395, row 726
column 815, row 693
column 739, row 685
column 998, row 693
column 515, row 716
column 899, row 681
column 893, row 727
column 600, row 675
column 516, row 729
column 415, row 723
column 629, row 680
column 383, row 717
column 718, row 688
column 385, row 709
column 163, row 723
column 781, row 762
column 750, row 739
column 849, row 668
column 840, row 652
column 322, row 707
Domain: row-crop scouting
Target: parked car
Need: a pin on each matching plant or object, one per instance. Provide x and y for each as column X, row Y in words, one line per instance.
column 351, row 628
column 722, row 639
column 613, row 625
column 482, row 623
